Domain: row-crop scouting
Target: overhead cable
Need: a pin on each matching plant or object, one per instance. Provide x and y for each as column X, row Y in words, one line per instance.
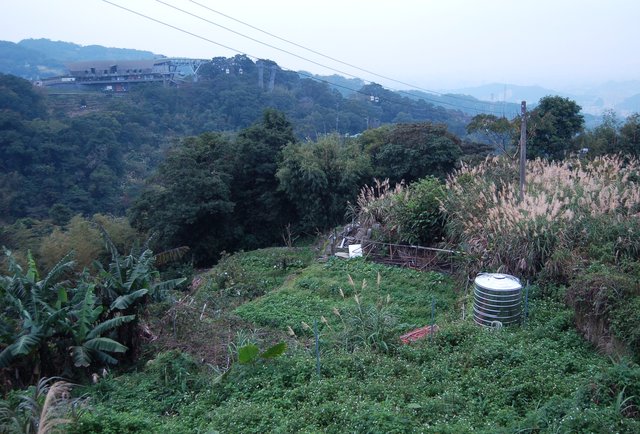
column 435, row 102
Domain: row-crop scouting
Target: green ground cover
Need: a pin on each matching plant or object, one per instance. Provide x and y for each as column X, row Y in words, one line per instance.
column 539, row 377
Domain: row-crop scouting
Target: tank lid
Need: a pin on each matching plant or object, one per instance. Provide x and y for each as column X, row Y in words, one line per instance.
column 497, row 281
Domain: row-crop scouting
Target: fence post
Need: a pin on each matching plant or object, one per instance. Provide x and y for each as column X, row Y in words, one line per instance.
column 433, row 318
column 315, row 332
column 526, row 302
column 523, row 147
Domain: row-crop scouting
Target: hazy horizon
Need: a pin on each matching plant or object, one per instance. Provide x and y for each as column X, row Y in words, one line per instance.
column 433, row 45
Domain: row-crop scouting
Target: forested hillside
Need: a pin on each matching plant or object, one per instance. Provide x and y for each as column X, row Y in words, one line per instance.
column 68, row 152
column 294, row 154
column 120, row 214
column 90, row 153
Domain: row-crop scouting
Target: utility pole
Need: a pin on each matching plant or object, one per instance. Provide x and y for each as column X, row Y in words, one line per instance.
column 272, row 78
column 523, row 147
column 260, row 66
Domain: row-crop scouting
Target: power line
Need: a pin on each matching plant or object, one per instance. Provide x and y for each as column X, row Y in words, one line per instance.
column 413, row 86
column 253, row 39
column 257, row 58
column 314, row 51
column 222, row 45
column 313, row 61
column 172, row 26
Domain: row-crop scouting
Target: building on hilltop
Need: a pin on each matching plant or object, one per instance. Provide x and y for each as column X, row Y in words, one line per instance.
column 118, row 75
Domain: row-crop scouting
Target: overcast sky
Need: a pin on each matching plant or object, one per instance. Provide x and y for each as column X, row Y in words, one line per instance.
column 434, row 44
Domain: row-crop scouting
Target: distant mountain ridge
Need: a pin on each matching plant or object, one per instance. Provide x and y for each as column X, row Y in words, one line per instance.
column 510, row 93
column 466, row 103
column 346, row 86
column 622, row 97
column 26, row 63
column 469, row 104
column 40, row 58
column 70, row 52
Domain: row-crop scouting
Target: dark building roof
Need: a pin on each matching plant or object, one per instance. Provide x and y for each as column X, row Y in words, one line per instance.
column 112, row 66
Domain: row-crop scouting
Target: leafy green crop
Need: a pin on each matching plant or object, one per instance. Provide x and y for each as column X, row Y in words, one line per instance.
column 251, row 353
column 542, row 377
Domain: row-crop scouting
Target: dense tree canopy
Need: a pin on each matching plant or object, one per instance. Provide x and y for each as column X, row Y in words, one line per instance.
column 19, row 96
column 189, row 202
column 87, row 153
column 630, row 136
column 613, row 136
column 498, row 131
column 92, row 153
column 319, row 178
column 552, row 125
column 412, row 151
column 81, row 164
column 215, row 192
column 261, row 210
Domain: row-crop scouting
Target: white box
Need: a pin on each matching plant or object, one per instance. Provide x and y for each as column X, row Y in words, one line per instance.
column 355, row 250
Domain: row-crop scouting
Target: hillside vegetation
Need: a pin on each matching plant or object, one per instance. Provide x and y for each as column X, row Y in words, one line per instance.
column 141, row 262
column 130, row 155
column 238, row 352
column 541, row 376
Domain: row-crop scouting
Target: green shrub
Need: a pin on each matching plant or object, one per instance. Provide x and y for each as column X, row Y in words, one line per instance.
column 534, row 378
column 625, row 322
column 286, row 308
column 540, row 377
column 80, row 236
column 368, row 325
column 619, row 382
column 24, row 235
column 247, row 275
column 418, row 214
column 114, row 422
column 175, row 370
column 607, row 299
column 83, row 237
column 612, row 238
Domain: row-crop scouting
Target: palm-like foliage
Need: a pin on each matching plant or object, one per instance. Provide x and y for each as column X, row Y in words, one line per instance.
column 48, row 325
column 124, row 286
column 87, row 329
column 33, row 306
column 129, row 278
column 45, row 322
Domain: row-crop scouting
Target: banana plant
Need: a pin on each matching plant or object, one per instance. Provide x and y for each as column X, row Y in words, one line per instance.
column 126, row 284
column 89, row 344
column 129, row 278
column 38, row 315
column 250, row 353
column 33, row 307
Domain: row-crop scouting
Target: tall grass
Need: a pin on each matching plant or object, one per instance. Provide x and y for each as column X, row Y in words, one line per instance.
column 561, row 204
column 45, row 408
column 375, row 203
